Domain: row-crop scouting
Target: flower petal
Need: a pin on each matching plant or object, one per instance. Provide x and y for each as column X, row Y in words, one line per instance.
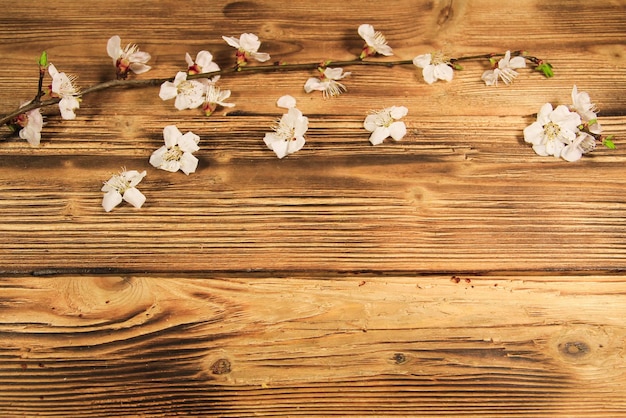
column 422, row 60
column 134, row 197
column 232, row 41
column 134, row 177
column 189, row 142
column 571, row 153
column 286, row 101
column 204, row 59
column 379, row 135
column 398, row 112
column 249, row 42
column 156, row 159
column 533, row 133
column 67, row 106
column 260, row 56
column 168, row 91
column 139, row 68
column 490, row 78
column 444, row 72
column 188, row 163
column 276, row 144
column 171, row 135
column 429, row 74
column 370, row 122
column 366, row 31
column 111, row 199
column 313, row 84
column 114, row 48
column 517, row 62
column 397, row 130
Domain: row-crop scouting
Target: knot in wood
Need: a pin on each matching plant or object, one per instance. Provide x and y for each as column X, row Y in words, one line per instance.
column 399, row 358
column 575, row 348
column 221, row 366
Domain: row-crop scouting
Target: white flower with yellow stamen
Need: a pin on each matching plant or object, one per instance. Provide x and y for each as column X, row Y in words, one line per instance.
column 189, row 94
column 177, row 153
column 122, row 187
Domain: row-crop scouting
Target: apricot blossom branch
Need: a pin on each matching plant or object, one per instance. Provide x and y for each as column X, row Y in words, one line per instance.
column 257, row 69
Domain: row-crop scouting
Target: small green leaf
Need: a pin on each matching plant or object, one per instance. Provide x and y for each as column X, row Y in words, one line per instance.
column 43, row 59
column 546, row 69
column 608, row 142
column 457, row 67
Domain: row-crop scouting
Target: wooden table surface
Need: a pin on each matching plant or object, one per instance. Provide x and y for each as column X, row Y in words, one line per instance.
column 453, row 273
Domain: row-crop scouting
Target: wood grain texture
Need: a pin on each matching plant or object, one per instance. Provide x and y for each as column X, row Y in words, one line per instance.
column 284, row 346
column 454, row 273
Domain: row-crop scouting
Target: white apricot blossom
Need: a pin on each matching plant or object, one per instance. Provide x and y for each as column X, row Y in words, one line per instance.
column 215, row 97
column 504, row 69
column 328, row 84
column 122, row 187
column 64, row 86
column 247, row 46
column 434, row 67
column 177, row 153
column 126, row 59
column 189, row 94
column 375, row 42
column 30, row 124
column 202, row 64
column 581, row 104
column 288, row 135
column 386, row 123
column 553, row 130
column 583, row 144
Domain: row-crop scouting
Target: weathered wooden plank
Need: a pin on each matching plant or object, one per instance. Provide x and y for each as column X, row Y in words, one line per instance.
column 410, row 212
column 315, row 346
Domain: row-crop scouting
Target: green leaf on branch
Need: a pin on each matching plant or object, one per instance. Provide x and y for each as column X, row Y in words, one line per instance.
column 43, row 59
column 546, row 69
column 608, row 142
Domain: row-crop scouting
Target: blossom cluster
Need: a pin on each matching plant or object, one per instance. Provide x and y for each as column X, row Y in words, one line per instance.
column 565, row 131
